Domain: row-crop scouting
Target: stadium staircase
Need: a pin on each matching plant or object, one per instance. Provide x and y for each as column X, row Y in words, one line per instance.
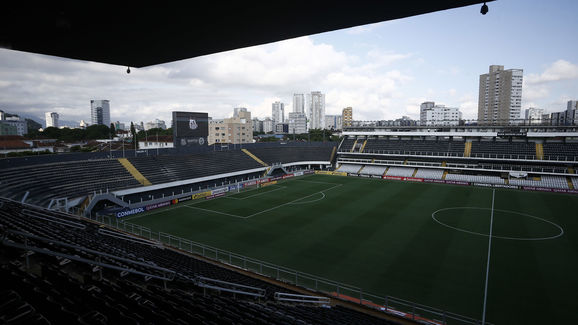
column 468, row 149
column 444, row 175
column 333, row 152
column 539, row 151
column 360, row 169
column 414, row 172
column 84, row 204
column 385, row 172
column 254, row 157
column 570, row 184
column 134, row 172
column 363, row 146
column 405, row 161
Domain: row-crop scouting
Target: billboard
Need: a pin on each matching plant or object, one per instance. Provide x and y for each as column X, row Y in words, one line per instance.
column 190, row 129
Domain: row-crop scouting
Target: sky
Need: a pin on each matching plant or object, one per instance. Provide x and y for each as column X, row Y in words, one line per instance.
column 383, row 70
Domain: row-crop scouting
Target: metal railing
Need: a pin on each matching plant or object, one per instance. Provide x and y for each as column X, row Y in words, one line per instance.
column 305, row 280
column 460, row 155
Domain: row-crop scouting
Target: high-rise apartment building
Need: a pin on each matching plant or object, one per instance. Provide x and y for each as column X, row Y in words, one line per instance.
column 500, row 96
column 316, row 110
column 268, row 125
column 100, row 112
column 567, row 117
column 333, row 122
column 347, row 117
column 432, row 114
column 298, row 103
column 51, row 119
column 297, row 123
column 257, row 125
column 278, row 112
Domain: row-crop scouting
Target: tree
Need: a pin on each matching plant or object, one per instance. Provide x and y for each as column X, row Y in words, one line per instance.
column 97, row 131
column 133, row 133
column 112, row 130
column 51, row 133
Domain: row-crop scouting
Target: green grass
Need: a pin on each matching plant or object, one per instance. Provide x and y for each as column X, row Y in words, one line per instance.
column 380, row 236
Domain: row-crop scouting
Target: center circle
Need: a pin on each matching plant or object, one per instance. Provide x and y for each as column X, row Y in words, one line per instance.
column 436, row 218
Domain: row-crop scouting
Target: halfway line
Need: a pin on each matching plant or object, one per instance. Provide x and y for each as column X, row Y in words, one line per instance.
column 488, row 264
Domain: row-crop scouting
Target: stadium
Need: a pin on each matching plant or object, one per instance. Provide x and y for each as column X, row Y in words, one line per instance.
column 388, row 225
column 438, row 224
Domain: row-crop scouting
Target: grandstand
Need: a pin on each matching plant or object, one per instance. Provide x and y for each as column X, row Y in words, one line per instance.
column 521, row 157
column 124, row 279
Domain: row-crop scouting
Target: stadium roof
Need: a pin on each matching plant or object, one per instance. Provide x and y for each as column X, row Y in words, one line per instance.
column 145, row 35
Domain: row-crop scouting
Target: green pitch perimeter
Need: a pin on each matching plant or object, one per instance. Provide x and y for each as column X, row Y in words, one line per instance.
column 426, row 243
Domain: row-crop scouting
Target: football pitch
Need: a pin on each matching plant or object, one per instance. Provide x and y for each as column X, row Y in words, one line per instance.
column 427, row 243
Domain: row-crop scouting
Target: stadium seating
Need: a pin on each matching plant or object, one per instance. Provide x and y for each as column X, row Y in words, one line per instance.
column 55, row 279
column 349, row 168
column 574, row 182
column 429, row 173
column 373, row 170
column 400, row 171
column 523, row 167
column 545, row 181
column 164, row 169
column 293, row 154
column 487, row 148
column 416, row 147
column 79, row 178
column 487, row 179
column 69, row 179
column 555, row 151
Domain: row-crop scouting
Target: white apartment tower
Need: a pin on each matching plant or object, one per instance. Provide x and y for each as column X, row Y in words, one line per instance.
column 500, row 96
column 534, row 115
column 432, row 114
column 298, row 103
column 297, row 123
column 278, row 112
column 316, row 110
column 51, row 119
column 100, row 112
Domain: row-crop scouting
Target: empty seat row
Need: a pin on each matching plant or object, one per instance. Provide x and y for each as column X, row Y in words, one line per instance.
column 400, row 171
column 429, row 173
column 486, row 179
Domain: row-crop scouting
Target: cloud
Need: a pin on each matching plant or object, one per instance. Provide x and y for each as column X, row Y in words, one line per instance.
column 252, row 77
column 559, row 70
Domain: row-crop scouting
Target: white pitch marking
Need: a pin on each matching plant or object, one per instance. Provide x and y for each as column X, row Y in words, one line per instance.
column 275, row 207
column 214, row 211
column 322, row 197
column 247, row 197
column 433, row 215
column 488, row 264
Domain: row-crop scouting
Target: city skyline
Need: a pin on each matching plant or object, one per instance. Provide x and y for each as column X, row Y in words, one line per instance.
column 384, row 70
